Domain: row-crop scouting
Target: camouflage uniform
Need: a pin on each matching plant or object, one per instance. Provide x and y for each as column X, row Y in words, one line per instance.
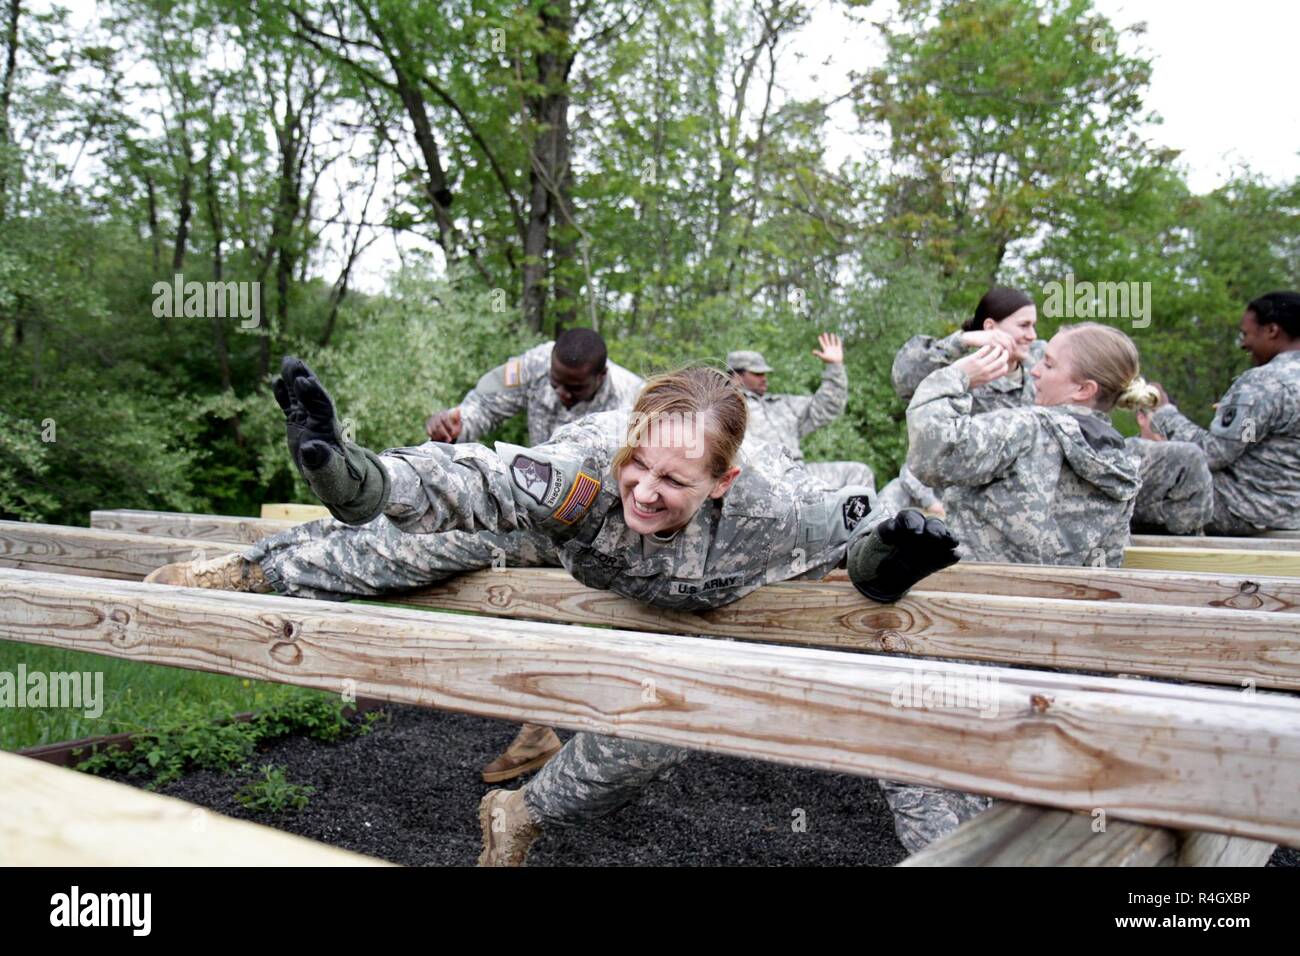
column 774, row 524
column 523, row 383
column 330, row 560
column 1177, row 493
column 784, row 420
column 1252, row 448
column 923, row 354
column 1036, row 485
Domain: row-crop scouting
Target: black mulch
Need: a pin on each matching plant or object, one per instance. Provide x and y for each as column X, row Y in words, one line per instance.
column 409, row 791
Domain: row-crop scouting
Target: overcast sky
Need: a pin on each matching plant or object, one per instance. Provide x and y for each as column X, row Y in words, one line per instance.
column 1224, row 77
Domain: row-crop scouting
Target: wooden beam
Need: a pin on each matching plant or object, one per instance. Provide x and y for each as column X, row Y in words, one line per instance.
column 112, row 554
column 228, row 528
column 1292, row 535
column 58, row 817
column 1217, row 645
column 1165, row 754
column 1222, row 544
column 295, row 512
column 1017, row 834
column 1170, row 588
column 1273, row 563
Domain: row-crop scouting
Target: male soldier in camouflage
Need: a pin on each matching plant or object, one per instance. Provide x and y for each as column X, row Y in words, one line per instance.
column 1049, row 483
column 664, row 507
column 784, row 420
column 1252, row 447
column 556, row 383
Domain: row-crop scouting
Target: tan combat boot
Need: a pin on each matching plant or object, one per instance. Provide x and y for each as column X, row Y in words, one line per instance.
column 230, row 572
column 508, row 830
column 530, row 749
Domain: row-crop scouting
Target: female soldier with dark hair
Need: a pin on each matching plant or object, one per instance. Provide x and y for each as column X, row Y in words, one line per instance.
column 1047, row 483
column 1005, row 317
column 662, row 505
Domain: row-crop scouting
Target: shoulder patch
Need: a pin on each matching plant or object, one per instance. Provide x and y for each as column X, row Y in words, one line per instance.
column 581, row 495
column 514, row 373
column 855, row 509
column 537, row 479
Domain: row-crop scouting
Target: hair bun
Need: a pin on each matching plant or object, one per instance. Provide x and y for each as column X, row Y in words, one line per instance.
column 1138, row 394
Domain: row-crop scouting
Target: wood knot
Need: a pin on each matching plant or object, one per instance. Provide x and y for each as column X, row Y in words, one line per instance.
column 290, row 631
column 1039, row 703
column 122, row 629
column 892, row 641
column 287, row 653
column 1248, row 587
column 499, row 595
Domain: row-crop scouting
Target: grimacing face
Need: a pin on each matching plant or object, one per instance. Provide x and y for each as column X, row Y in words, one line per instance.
column 1054, row 377
column 1020, row 326
column 574, row 385
column 664, row 483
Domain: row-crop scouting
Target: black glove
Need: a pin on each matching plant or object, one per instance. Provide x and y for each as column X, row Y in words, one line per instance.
column 349, row 480
column 898, row 552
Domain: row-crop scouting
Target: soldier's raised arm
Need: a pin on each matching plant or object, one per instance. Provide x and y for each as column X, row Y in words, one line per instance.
column 950, row 446
column 832, row 396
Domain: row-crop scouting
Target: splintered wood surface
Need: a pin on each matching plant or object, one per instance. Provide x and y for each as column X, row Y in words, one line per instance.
column 1165, row 754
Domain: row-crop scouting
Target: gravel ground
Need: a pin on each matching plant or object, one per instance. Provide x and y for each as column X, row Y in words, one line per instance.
column 409, row 792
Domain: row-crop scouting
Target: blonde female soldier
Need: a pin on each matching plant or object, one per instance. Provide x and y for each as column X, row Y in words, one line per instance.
column 662, row 506
column 1049, row 483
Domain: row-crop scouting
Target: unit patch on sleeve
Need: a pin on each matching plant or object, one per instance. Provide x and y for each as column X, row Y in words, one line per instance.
column 532, row 476
column 855, row 509
column 581, row 495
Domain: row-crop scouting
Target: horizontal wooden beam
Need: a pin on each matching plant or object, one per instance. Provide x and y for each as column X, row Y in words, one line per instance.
column 1209, row 541
column 1016, row 834
column 227, row 528
column 58, row 817
column 1169, row 588
column 1284, row 564
column 1292, row 535
column 1215, row 645
column 1232, row 646
column 294, row 512
column 1165, row 754
column 112, row 554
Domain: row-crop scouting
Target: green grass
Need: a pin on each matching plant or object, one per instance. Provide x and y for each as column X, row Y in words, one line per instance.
column 137, row 697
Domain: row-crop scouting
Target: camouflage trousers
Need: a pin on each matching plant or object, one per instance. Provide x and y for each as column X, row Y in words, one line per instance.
column 333, row 561
column 1177, row 494
column 923, row 814
column 841, row 474
column 594, row 775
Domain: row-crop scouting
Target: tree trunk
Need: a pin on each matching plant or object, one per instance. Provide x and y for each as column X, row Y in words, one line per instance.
column 6, row 94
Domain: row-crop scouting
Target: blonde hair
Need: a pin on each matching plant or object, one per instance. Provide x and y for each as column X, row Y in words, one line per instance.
column 696, row 394
column 1108, row 357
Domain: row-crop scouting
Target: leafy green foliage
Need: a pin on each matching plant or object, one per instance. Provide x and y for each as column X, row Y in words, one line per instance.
column 273, row 793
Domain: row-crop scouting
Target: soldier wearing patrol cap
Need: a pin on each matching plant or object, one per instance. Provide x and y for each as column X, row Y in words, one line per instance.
column 785, row 420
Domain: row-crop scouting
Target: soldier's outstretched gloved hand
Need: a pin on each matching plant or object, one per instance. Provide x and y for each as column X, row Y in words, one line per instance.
column 898, row 552
column 349, row 480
